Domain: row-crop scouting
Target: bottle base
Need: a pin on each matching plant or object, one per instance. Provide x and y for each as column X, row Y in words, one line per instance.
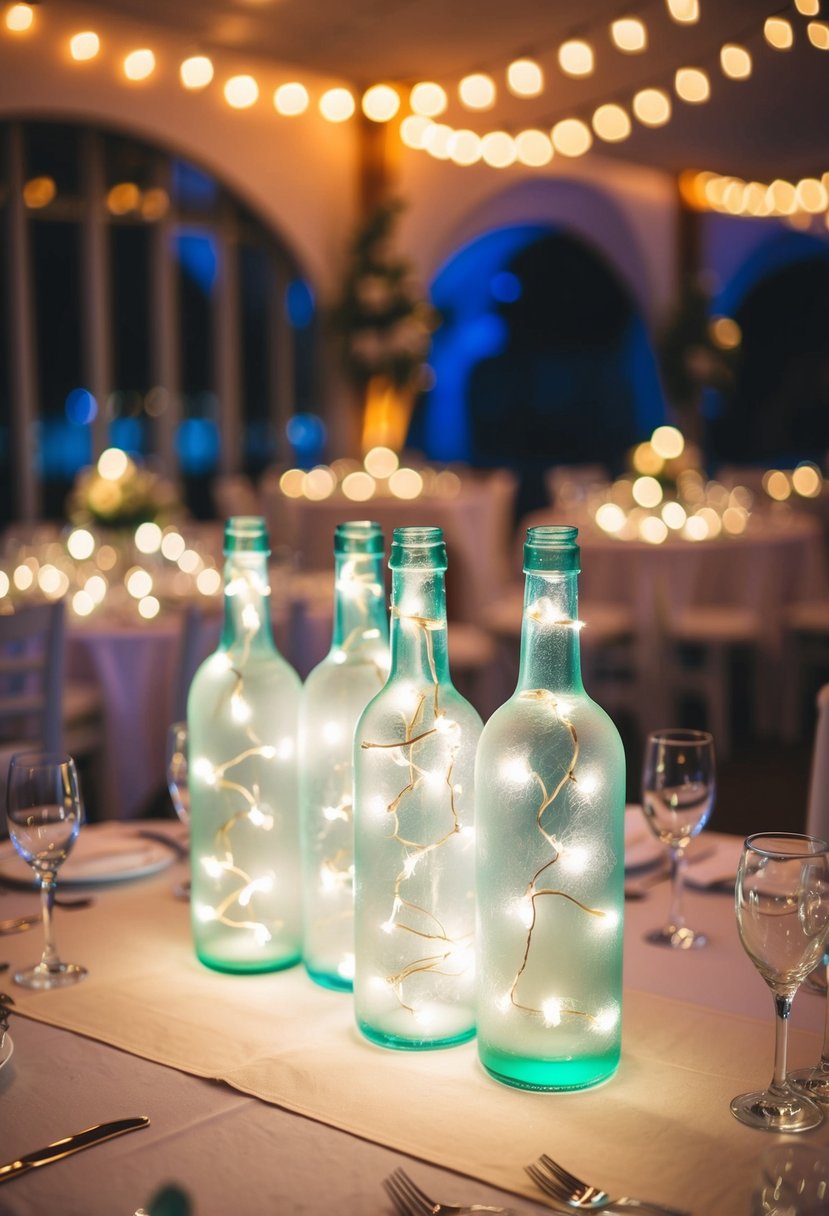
column 330, row 980
column 398, row 1043
column 242, row 968
column 549, row 1076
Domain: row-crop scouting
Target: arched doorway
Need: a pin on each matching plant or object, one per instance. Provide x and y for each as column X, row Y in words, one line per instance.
column 778, row 410
column 542, row 358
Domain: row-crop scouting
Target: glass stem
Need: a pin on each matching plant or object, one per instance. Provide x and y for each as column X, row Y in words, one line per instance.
column 782, row 1009
column 49, row 959
column 677, row 917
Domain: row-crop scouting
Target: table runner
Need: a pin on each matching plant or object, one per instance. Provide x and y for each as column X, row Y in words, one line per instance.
column 661, row 1127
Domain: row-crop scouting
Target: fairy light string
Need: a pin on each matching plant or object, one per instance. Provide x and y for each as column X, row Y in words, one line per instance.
column 553, row 1008
column 232, row 911
column 406, row 915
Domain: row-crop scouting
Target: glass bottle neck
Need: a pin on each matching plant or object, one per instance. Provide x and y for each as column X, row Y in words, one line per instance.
column 418, row 625
column 359, row 602
column 247, row 622
column 550, row 648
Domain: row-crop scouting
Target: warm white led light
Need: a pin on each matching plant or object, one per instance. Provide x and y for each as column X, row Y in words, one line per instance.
column 575, row 57
column 668, row 442
column 413, row 129
column 428, row 99
column 735, row 61
column 498, row 149
column 684, row 12
column 139, row 65
column 80, row 544
column 84, row 46
column 611, row 123
column 571, row 137
column 807, row 8
column 337, row 105
column 359, row 487
column 818, row 34
column 525, row 78
column 477, row 92
column 196, row 72
column 380, row 103
column 778, row 33
column 436, row 140
column 692, row 85
column 533, row 148
column 291, row 99
column 148, row 538
column 113, row 464
column 652, row 107
column 149, row 607
column 19, row 18
column 464, row 147
column 241, row 92
column 629, row 35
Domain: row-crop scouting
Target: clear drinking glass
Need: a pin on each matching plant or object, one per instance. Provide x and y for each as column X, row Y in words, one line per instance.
column 177, row 771
column 782, row 904
column 678, row 786
column 814, row 1082
column 45, row 812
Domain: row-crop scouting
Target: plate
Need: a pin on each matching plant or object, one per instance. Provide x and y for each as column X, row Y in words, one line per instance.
column 6, row 1050
column 642, row 849
column 102, row 853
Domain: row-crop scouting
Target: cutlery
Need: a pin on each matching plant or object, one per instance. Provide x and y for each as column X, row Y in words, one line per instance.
column 559, row 1183
column 410, row 1200
column 181, row 851
column 19, row 924
column 71, row 1144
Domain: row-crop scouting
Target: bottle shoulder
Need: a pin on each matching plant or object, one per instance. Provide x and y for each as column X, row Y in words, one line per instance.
column 535, row 712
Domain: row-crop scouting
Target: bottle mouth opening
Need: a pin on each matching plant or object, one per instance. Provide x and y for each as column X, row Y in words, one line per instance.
column 413, row 547
column 358, row 536
column 246, row 534
column 552, row 547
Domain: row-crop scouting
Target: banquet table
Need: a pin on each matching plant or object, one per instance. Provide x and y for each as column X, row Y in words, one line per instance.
column 263, row 1097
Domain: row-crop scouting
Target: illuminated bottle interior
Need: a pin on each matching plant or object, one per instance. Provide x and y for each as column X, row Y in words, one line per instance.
column 242, row 715
column 414, row 752
column 550, row 783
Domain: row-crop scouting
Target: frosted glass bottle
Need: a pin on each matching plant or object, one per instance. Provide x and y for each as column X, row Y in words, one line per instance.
column 242, row 715
column 335, row 694
column 414, row 752
column 550, row 781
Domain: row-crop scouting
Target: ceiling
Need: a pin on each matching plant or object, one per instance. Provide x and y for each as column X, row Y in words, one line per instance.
column 774, row 124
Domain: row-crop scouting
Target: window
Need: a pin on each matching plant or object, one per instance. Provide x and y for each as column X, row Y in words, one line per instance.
column 144, row 307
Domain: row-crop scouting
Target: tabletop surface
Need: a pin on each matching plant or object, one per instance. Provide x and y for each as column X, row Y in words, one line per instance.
column 698, row 1029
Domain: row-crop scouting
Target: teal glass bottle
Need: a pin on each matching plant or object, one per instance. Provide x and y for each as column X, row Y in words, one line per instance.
column 334, row 695
column 414, row 756
column 550, row 781
column 243, row 716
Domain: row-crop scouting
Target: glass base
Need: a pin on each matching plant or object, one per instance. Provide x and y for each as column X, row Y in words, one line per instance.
column 812, row 1082
column 329, row 979
column 397, row 1043
column 549, row 1076
column 676, row 938
column 237, row 967
column 61, row 975
column 784, row 1111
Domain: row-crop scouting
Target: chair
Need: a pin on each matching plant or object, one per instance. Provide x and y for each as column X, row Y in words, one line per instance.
column 234, row 494
column 697, row 644
column 817, row 815
column 38, row 707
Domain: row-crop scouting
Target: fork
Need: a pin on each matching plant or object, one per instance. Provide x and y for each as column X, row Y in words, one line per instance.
column 558, row 1182
column 410, row 1200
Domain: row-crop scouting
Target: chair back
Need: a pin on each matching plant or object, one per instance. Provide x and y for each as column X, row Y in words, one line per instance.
column 31, row 677
column 817, row 819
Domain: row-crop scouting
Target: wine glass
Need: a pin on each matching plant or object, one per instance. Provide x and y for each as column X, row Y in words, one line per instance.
column 177, row 771
column 177, row 764
column 44, row 812
column 678, row 787
column 782, row 903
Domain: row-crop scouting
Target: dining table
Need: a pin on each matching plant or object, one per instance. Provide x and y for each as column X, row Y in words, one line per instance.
column 263, row 1096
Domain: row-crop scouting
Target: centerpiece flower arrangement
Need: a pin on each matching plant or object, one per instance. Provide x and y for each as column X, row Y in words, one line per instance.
column 119, row 493
column 384, row 326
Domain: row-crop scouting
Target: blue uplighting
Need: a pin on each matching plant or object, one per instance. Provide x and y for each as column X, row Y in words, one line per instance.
column 306, row 435
column 64, row 449
column 198, row 257
column 127, row 433
column 81, row 407
column 505, row 287
column 192, row 187
column 299, row 304
column 197, row 446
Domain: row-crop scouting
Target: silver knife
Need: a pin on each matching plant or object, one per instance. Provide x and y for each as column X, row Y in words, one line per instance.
column 71, row 1144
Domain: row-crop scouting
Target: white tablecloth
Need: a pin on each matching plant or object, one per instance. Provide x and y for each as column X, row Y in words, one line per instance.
column 661, row 1128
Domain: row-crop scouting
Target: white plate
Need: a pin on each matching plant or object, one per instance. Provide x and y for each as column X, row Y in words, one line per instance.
column 103, row 852
column 642, row 849
column 6, row 1050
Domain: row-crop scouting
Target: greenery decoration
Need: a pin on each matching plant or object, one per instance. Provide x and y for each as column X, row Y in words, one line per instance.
column 383, row 322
